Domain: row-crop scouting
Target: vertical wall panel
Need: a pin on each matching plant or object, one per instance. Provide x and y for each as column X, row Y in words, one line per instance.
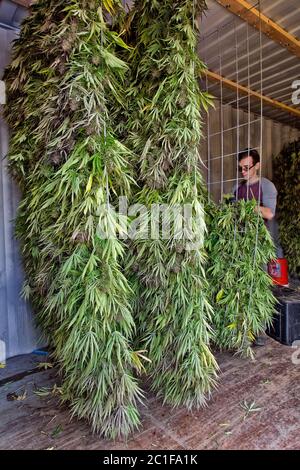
column 16, row 320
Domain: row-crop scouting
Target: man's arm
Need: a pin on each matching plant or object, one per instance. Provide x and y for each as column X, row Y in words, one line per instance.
column 266, row 212
column 269, row 199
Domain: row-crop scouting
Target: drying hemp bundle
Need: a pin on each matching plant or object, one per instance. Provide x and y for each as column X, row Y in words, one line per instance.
column 166, row 255
column 63, row 85
column 239, row 246
column 286, row 168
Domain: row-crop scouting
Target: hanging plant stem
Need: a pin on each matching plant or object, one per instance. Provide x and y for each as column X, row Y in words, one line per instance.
column 239, row 247
column 286, row 168
column 63, row 85
column 164, row 130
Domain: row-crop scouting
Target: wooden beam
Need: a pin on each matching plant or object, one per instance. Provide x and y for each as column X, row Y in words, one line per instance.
column 255, row 18
column 247, row 91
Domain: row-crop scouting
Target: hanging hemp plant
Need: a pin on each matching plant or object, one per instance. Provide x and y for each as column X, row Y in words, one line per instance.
column 63, row 85
column 164, row 130
column 286, row 169
column 239, row 247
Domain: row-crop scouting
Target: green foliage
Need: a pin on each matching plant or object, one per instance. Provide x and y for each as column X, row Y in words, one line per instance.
column 163, row 125
column 239, row 246
column 287, row 180
column 64, row 83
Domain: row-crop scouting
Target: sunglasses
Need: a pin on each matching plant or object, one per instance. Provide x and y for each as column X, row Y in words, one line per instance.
column 245, row 168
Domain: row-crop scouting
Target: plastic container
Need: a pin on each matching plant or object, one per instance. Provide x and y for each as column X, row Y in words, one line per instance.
column 278, row 270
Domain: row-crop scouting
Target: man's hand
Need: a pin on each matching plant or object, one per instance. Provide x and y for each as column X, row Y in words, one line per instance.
column 265, row 212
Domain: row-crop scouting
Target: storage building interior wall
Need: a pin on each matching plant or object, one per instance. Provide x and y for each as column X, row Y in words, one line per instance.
column 16, row 320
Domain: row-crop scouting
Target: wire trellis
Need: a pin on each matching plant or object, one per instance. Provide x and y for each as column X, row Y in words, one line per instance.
column 225, row 138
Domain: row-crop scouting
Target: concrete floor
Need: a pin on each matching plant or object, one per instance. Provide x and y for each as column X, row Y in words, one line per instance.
column 270, row 386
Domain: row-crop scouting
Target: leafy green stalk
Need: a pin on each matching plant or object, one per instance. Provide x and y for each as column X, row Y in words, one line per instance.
column 164, row 131
column 287, row 180
column 63, row 85
column 239, row 247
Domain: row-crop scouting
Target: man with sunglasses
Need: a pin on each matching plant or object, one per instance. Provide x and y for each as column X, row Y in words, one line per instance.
column 253, row 187
column 261, row 189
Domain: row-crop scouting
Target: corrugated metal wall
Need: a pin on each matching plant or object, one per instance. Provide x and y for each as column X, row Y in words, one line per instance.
column 16, row 321
column 275, row 135
column 233, row 49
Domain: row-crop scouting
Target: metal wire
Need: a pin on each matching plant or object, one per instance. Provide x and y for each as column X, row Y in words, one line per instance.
column 249, row 100
column 208, row 139
column 226, row 181
column 238, row 113
column 236, row 101
column 221, row 121
column 228, row 52
column 232, row 128
column 231, row 22
column 231, row 64
column 229, row 154
column 260, row 170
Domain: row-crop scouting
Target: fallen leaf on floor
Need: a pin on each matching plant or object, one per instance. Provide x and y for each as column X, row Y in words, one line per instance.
column 16, row 397
column 42, row 392
column 46, row 391
column 56, row 431
column 11, row 396
column 52, row 419
column 224, row 424
column 22, row 396
column 45, row 365
column 249, row 408
column 266, row 382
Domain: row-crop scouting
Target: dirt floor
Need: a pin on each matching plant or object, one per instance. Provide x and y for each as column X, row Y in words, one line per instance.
column 257, row 406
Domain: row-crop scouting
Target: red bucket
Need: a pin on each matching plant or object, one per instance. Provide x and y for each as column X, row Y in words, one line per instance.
column 278, row 270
